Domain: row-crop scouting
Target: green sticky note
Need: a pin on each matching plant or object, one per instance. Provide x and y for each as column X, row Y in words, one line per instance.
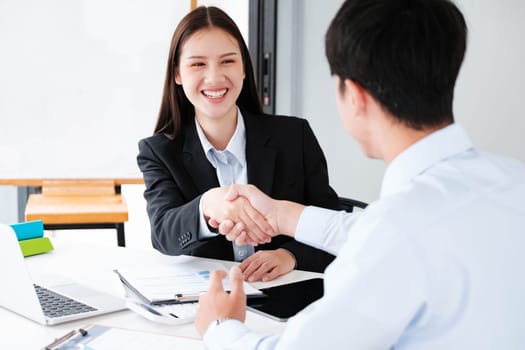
column 35, row 246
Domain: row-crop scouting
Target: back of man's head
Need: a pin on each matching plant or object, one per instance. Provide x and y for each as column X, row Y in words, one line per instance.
column 405, row 53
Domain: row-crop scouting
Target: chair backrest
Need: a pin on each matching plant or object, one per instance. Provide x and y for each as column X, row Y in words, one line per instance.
column 87, row 187
column 349, row 204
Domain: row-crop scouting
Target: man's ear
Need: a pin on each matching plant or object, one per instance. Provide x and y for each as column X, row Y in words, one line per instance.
column 356, row 95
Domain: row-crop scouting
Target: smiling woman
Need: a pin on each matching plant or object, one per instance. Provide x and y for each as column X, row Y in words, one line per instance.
column 211, row 74
column 210, row 133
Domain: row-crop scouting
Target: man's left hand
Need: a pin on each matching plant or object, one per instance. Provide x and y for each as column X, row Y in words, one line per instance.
column 216, row 304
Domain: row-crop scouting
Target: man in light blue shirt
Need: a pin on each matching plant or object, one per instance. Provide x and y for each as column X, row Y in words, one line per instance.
column 436, row 262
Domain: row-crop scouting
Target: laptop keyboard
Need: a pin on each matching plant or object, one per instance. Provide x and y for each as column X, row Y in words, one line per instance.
column 56, row 305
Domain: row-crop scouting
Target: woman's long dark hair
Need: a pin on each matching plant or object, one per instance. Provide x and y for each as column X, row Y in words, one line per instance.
column 175, row 108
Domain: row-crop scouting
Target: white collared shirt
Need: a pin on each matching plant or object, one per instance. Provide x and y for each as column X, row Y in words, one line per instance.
column 237, row 147
column 436, row 263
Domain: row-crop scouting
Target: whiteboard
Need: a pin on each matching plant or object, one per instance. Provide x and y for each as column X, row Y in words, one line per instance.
column 80, row 83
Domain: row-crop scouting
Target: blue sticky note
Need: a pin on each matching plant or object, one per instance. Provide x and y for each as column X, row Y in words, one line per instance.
column 29, row 230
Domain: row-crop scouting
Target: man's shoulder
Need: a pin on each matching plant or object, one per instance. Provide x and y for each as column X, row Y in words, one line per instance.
column 508, row 164
column 472, row 183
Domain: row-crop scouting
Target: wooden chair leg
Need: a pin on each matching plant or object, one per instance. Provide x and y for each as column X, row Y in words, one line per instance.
column 121, row 239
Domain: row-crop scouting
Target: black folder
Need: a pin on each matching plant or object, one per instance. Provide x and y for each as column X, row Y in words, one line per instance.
column 284, row 301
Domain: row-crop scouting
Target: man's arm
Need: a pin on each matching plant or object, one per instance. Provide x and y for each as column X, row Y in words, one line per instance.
column 280, row 214
column 215, row 205
column 370, row 299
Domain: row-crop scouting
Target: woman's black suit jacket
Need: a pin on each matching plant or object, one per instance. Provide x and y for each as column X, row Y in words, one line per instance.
column 283, row 159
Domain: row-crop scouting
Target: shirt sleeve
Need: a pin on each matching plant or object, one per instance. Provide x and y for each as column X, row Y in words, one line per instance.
column 204, row 231
column 324, row 228
column 234, row 335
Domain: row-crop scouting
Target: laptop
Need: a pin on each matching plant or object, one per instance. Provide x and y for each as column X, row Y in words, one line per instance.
column 45, row 304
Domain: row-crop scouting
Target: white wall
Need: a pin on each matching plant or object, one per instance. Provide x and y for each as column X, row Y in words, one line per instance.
column 305, row 88
column 81, row 83
column 488, row 98
column 491, row 86
column 237, row 10
column 8, row 205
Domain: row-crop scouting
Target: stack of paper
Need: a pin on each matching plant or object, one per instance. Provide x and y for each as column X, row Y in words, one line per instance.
column 31, row 237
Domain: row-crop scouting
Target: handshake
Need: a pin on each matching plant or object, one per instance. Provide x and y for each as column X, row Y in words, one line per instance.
column 246, row 215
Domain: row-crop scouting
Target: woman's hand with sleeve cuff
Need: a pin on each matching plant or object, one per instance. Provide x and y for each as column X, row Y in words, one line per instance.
column 266, row 265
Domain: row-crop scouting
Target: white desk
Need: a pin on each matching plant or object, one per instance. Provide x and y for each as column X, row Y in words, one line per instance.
column 92, row 264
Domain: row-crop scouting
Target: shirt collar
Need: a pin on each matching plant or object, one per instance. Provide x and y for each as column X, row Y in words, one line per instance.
column 423, row 154
column 236, row 146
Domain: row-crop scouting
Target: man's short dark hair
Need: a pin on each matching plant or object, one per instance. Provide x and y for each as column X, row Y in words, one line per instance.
column 405, row 53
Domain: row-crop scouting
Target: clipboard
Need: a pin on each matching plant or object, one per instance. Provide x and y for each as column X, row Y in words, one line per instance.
column 168, row 293
column 174, row 283
column 98, row 337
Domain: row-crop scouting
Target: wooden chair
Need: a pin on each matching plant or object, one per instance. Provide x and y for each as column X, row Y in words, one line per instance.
column 79, row 204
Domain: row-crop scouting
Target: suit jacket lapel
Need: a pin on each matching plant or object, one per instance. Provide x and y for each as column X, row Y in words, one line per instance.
column 199, row 168
column 260, row 157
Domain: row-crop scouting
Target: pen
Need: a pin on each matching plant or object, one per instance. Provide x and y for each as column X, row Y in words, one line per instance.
column 186, row 297
column 72, row 335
